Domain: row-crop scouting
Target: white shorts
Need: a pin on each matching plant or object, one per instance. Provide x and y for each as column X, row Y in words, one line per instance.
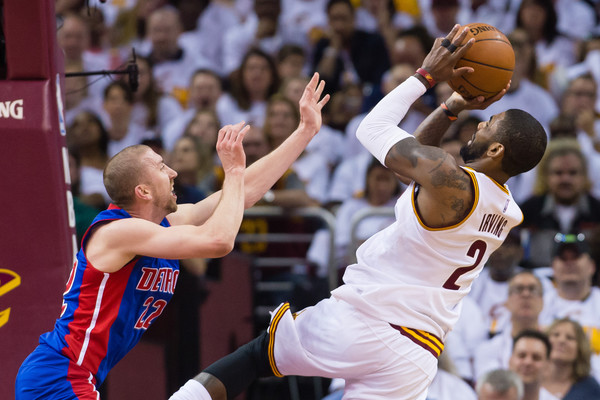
column 332, row 339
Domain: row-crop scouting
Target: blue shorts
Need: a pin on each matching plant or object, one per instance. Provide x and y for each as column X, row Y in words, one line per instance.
column 47, row 374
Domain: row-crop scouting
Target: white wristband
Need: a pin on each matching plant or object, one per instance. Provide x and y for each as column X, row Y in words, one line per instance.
column 379, row 131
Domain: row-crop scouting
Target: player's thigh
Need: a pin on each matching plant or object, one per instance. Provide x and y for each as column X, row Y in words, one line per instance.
column 47, row 375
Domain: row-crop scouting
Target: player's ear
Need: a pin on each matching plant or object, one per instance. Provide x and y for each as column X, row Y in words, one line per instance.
column 142, row 192
column 495, row 150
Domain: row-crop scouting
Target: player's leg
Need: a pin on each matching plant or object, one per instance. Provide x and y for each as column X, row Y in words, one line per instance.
column 231, row 375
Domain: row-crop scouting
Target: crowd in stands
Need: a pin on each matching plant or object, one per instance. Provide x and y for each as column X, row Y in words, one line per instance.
column 531, row 325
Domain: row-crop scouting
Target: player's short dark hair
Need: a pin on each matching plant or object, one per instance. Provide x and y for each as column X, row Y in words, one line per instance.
column 533, row 334
column 123, row 173
column 524, row 141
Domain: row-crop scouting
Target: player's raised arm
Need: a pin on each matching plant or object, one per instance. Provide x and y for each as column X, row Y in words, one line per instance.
column 447, row 187
column 127, row 238
column 262, row 174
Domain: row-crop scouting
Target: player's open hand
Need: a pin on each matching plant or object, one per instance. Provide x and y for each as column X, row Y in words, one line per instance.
column 445, row 53
column 311, row 106
column 229, row 147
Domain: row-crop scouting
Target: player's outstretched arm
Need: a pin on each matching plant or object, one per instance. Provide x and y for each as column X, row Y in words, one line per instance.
column 262, row 174
column 120, row 241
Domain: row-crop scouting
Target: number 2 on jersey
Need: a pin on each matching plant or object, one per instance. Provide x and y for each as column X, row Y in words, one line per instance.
column 477, row 250
column 144, row 322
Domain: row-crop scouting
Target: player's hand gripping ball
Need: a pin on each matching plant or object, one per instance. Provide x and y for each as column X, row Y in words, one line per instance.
column 493, row 59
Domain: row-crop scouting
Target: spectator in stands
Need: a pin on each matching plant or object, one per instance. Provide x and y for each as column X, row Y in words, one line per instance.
column 173, row 66
column 122, row 130
column 311, row 167
column 205, row 93
column 568, row 376
column 293, row 87
column 530, row 360
column 381, row 190
column 152, row 110
column 84, row 213
column 74, row 38
column 562, row 201
column 261, row 29
column 204, row 128
column 539, row 19
column 578, row 102
column 491, row 289
column 574, row 296
column 77, row 95
column 87, row 140
column 291, row 62
column 252, row 84
column 441, row 17
column 187, row 159
column 524, row 305
column 348, row 55
column 500, row 384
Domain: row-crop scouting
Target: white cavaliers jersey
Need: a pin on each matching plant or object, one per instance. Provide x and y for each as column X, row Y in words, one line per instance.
column 414, row 276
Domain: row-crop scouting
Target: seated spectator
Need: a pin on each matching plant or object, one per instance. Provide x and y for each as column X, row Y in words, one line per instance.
column 574, row 296
column 524, row 304
column 261, row 29
column 122, row 130
column 491, row 289
column 291, row 62
column 189, row 161
column 447, row 383
column 568, row 376
column 381, row 190
column 77, row 96
column 252, row 84
column 152, row 110
column 530, row 360
column 87, row 140
column 463, row 340
column 578, row 103
column 562, row 201
column 205, row 93
column 173, row 65
column 500, row 384
column 553, row 50
column 348, row 55
column 282, row 117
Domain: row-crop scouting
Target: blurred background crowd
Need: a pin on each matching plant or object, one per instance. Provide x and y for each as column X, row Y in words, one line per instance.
column 203, row 64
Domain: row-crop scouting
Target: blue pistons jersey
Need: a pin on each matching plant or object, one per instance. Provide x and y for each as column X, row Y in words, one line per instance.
column 105, row 314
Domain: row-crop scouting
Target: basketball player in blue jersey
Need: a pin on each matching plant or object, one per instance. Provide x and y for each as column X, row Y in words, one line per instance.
column 127, row 268
column 384, row 328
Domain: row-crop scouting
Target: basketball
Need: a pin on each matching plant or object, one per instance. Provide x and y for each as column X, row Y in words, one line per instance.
column 493, row 59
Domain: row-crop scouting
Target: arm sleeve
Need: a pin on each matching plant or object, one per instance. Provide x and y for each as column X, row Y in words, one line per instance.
column 379, row 131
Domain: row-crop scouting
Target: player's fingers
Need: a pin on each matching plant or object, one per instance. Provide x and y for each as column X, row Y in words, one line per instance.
column 323, row 101
column 460, row 36
column 222, row 133
column 241, row 134
column 320, row 90
column 452, row 33
column 462, row 71
column 461, row 50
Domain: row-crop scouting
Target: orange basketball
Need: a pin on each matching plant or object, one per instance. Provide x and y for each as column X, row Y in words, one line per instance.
column 493, row 59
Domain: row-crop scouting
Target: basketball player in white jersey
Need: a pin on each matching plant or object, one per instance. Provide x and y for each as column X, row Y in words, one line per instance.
column 384, row 328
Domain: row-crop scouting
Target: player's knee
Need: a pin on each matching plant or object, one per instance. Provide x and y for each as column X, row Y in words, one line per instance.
column 238, row 370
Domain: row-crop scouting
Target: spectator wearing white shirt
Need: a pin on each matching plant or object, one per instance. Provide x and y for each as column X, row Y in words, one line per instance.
column 252, row 84
column 172, row 65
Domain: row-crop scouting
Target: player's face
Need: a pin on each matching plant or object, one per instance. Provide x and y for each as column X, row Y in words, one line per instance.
column 481, row 141
column 161, row 179
column 529, row 359
column 564, row 343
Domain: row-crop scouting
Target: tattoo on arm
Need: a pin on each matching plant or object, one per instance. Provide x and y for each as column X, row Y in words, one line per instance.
column 433, row 128
column 454, row 179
